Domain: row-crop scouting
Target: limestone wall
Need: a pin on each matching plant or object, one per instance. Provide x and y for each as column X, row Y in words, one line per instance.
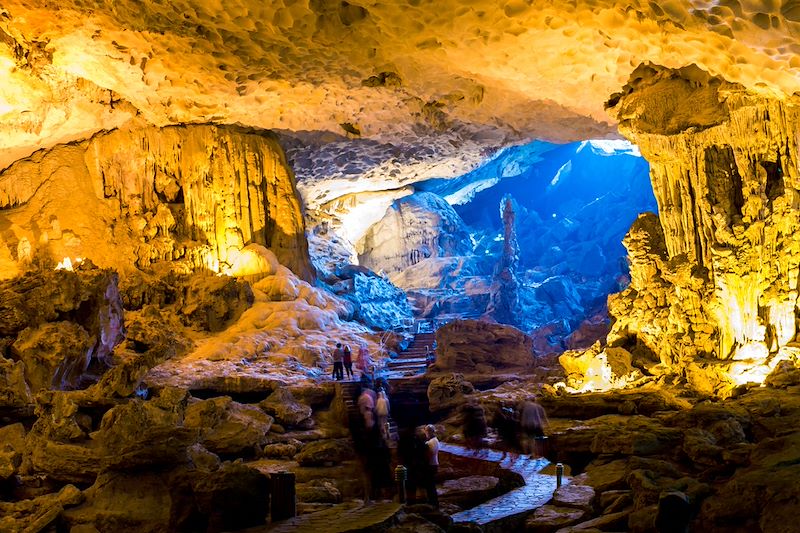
column 195, row 194
column 714, row 278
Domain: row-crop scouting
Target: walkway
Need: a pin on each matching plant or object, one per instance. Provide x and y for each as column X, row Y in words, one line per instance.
column 338, row 519
column 517, row 503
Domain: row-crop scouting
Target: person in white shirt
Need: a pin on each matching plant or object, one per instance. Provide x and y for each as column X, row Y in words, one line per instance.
column 382, row 413
column 432, row 453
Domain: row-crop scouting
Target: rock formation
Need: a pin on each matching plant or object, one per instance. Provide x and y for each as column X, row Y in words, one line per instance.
column 504, row 303
column 58, row 324
column 477, row 346
column 414, row 228
column 197, row 195
column 713, row 278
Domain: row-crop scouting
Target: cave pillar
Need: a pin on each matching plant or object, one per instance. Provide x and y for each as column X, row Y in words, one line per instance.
column 716, row 283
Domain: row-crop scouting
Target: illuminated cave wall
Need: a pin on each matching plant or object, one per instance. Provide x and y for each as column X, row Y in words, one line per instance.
column 194, row 195
column 714, row 281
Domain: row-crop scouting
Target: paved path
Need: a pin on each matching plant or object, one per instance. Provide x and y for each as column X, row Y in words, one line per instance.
column 338, row 519
column 537, row 491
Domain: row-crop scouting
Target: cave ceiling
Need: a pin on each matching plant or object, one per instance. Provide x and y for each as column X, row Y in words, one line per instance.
column 476, row 74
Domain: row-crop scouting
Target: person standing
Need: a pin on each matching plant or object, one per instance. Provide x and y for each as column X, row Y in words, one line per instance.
column 382, row 413
column 347, row 360
column 366, row 406
column 338, row 357
column 533, row 421
column 363, row 361
column 432, row 454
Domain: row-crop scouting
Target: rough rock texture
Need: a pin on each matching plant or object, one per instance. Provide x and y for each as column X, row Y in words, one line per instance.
column 60, row 323
column 228, row 427
column 414, row 228
column 469, row 491
column 504, row 301
column 549, row 518
column 468, row 345
column 321, row 452
column 211, row 303
column 378, row 303
column 713, row 289
column 198, row 194
column 448, row 391
column 366, row 70
column 286, row 410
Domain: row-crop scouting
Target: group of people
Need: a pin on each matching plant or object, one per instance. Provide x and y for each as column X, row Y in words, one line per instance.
column 419, row 451
column 374, row 410
column 343, row 361
column 371, row 435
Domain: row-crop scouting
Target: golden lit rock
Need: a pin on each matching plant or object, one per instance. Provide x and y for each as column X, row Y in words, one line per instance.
column 714, row 283
column 197, row 195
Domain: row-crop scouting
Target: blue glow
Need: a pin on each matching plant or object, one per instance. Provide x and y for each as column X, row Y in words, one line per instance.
column 575, row 202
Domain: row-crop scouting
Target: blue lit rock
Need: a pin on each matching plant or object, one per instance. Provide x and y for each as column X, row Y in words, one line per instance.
column 414, row 228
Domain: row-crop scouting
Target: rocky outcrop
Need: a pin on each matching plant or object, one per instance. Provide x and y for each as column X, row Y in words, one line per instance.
column 472, row 345
column 322, row 452
column 59, row 324
column 377, row 302
column 195, row 194
column 212, row 302
column 287, row 411
column 228, row 427
column 448, row 391
column 414, row 228
column 713, row 278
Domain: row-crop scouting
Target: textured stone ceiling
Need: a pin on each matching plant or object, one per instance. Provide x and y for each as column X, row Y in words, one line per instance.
column 520, row 69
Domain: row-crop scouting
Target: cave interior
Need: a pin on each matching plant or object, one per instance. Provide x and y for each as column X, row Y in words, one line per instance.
column 502, row 209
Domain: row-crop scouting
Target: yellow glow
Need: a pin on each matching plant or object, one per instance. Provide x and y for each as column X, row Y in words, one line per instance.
column 599, row 377
column 755, row 369
column 67, row 263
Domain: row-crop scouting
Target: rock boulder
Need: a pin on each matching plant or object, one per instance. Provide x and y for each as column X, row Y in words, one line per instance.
column 464, row 345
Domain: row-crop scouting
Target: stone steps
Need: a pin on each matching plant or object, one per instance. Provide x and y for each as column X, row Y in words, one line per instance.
column 413, row 359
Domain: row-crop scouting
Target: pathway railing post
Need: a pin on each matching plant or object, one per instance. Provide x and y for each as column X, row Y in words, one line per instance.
column 400, row 475
column 559, row 474
column 284, row 503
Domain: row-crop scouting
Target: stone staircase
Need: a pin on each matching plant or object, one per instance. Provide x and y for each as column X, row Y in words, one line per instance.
column 412, row 360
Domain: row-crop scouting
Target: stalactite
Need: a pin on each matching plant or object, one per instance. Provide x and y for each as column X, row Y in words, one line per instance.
column 198, row 194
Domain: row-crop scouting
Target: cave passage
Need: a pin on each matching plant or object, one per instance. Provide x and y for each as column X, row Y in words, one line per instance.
column 573, row 205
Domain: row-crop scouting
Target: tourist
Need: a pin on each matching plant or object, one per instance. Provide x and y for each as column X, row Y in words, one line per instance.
column 363, row 362
column 474, row 423
column 366, row 406
column 338, row 357
column 533, row 422
column 382, row 414
column 430, row 357
column 347, row 360
column 432, row 455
